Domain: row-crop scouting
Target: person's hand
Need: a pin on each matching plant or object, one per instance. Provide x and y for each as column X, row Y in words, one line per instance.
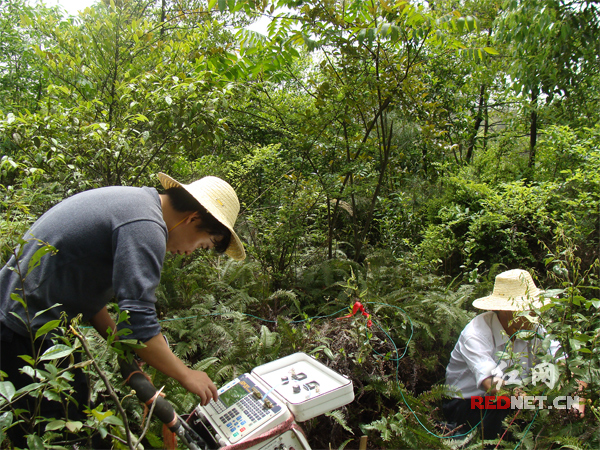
column 199, row 383
column 579, row 409
column 518, row 392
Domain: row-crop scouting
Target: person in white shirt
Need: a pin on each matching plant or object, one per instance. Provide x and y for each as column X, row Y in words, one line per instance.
column 475, row 369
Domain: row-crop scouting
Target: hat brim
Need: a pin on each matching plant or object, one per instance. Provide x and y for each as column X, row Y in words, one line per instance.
column 497, row 303
column 235, row 249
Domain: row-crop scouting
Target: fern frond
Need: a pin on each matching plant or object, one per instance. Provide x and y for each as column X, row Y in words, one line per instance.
column 343, row 445
column 205, row 364
column 340, row 418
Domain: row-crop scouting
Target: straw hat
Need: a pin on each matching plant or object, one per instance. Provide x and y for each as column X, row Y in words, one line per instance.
column 220, row 200
column 514, row 290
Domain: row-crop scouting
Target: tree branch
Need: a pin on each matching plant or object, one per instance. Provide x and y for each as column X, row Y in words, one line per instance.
column 109, row 387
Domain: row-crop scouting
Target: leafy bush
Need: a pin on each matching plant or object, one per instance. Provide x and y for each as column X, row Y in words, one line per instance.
column 59, row 351
column 493, row 226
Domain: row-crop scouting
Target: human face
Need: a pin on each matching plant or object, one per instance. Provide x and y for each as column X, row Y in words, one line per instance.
column 186, row 237
column 512, row 322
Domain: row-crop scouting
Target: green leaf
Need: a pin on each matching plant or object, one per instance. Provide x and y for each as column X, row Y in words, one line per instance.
column 28, row 359
column 222, row 5
column 310, row 43
column 39, row 313
column 578, row 371
column 371, row 35
column 56, row 352
column 101, row 415
column 46, row 328
column 18, row 298
column 13, row 313
column 74, row 427
column 52, row 396
column 28, row 370
column 7, row 390
column 471, row 23
column 6, row 420
column 123, row 316
column 329, row 353
column 577, row 300
column 29, row 388
column 361, row 35
column 339, row 417
column 575, row 344
column 132, row 343
column 38, row 255
column 35, row 442
column 491, row 51
column 550, row 293
column 113, row 420
column 55, row 425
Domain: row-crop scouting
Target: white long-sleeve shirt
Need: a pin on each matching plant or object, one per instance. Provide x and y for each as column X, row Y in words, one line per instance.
column 476, row 355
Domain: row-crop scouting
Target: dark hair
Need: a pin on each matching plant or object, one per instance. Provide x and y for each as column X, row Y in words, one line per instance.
column 182, row 201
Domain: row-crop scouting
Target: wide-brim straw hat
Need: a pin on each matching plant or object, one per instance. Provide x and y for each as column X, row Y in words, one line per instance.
column 514, row 290
column 220, row 200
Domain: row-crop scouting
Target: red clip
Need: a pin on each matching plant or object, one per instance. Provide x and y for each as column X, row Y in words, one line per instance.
column 358, row 307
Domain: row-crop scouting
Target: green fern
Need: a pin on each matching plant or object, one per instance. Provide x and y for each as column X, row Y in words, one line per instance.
column 343, row 445
column 339, row 417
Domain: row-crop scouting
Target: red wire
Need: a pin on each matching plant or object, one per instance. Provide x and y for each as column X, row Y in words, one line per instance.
column 505, row 431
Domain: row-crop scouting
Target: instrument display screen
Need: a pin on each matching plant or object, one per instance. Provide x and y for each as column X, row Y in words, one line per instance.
column 233, row 395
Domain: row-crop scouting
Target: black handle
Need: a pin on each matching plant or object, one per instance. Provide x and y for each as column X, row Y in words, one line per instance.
column 146, row 391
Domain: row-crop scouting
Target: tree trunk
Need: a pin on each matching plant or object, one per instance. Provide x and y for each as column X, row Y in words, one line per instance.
column 486, row 126
column 478, row 121
column 163, row 17
column 386, row 143
column 533, row 127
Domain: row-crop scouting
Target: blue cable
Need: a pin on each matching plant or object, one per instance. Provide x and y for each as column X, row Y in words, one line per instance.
column 402, row 394
column 396, row 360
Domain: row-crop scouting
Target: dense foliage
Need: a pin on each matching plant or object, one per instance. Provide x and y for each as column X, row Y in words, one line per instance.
column 394, row 153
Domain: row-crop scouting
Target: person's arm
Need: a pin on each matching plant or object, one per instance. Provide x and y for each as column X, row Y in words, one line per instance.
column 158, row 354
column 490, row 385
column 139, row 250
column 581, row 404
column 102, row 321
column 477, row 350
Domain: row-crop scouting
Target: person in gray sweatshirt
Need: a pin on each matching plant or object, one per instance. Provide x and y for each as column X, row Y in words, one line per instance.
column 111, row 243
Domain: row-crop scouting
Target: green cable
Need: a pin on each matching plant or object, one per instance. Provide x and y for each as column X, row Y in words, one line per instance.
column 396, row 360
column 527, row 429
column 402, row 394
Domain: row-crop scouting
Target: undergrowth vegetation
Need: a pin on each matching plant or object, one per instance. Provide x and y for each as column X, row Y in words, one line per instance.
column 224, row 318
column 385, row 154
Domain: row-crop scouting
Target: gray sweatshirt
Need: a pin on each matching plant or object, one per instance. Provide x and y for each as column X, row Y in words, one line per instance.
column 111, row 243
